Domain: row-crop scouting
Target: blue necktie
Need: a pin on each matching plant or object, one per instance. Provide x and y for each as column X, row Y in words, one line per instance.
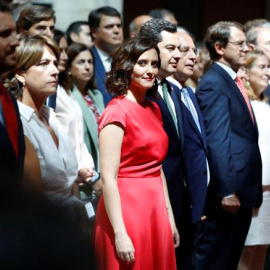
column 190, row 107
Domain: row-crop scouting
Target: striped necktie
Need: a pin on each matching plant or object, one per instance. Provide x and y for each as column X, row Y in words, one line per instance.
column 243, row 91
column 190, row 107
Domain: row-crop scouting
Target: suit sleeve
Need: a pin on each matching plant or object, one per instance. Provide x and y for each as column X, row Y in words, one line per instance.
column 215, row 108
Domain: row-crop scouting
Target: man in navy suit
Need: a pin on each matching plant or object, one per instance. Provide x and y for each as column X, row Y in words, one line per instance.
column 185, row 165
column 234, row 156
column 107, row 35
column 11, row 135
column 194, row 151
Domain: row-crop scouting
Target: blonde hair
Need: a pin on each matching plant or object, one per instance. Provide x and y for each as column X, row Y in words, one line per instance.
column 251, row 57
column 28, row 54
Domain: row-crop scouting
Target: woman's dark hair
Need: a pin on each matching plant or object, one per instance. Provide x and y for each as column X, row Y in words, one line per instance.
column 58, row 34
column 72, row 52
column 123, row 62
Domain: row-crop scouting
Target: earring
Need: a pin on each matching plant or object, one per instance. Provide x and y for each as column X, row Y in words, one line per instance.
column 23, row 85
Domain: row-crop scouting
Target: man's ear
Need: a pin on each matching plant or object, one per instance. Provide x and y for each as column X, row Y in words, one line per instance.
column 74, row 37
column 93, row 32
column 219, row 48
column 252, row 46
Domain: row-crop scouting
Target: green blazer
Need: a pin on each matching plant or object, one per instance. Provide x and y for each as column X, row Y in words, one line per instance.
column 90, row 125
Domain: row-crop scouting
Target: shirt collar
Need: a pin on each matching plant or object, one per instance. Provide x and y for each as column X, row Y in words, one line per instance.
column 27, row 112
column 103, row 56
column 229, row 70
column 175, row 82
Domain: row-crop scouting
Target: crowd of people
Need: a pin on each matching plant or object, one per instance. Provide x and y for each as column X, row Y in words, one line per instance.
column 145, row 153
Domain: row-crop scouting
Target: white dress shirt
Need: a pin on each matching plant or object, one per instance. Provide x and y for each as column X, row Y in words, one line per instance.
column 105, row 59
column 59, row 168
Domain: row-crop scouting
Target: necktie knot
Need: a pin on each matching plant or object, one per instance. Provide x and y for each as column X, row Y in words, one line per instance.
column 184, row 91
column 165, row 86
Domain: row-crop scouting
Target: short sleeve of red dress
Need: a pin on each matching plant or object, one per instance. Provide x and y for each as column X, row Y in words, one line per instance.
column 112, row 115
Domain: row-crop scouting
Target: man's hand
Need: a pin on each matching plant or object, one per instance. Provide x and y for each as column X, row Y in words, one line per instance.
column 230, row 204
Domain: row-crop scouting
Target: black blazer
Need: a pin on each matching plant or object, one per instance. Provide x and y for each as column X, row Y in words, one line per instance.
column 195, row 155
column 232, row 138
column 173, row 163
column 11, row 167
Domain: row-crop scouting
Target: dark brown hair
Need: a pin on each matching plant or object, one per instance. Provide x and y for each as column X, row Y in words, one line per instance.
column 123, row 62
column 221, row 33
column 32, row 15
column 72, row 52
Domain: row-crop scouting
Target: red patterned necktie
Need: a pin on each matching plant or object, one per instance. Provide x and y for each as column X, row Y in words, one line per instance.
column 11, row 118
column 243, row 91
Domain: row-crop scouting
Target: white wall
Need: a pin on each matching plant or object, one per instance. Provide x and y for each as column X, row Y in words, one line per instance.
column 68, row 11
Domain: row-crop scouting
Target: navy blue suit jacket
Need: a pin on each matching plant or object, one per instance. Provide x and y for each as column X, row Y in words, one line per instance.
column 100, row 75
column 11, row 170
column 195, row 153
column 173, row 164
column 232, row 138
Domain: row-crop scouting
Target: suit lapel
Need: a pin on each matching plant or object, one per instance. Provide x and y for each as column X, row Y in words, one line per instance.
column 97, row 97
column 165, row 112
column 179, row 112
column 99, row 68
column 235, row 90
column 200, row 118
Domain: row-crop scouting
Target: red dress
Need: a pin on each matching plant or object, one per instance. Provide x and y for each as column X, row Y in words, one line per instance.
column 140, row 186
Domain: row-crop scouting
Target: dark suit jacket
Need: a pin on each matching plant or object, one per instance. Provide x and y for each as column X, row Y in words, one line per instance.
column 100, row 76
column 173, row 163
column 11, row 168
column 267, row 93
column 195, row 154
column 232, row 138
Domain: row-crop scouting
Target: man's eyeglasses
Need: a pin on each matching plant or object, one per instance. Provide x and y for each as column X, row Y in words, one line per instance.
column 240, row 44
column 186, row 50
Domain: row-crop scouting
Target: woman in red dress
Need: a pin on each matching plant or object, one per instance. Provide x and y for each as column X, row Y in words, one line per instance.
column 135, row 227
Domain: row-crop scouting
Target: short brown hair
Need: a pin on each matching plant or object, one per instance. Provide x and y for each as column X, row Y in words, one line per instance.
column 219, row 32
column 32, row 15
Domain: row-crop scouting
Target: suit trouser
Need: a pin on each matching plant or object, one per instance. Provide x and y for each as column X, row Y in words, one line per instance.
column 221, row 239
column 187, row 231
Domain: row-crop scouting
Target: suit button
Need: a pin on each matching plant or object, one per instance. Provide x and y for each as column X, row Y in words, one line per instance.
column 205, row 172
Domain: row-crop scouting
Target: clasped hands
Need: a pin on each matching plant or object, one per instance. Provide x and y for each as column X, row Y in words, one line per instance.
column 85, row 177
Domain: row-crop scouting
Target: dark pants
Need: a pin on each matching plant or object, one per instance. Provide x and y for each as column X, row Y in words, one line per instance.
column 187, row 232
column 221, row 239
